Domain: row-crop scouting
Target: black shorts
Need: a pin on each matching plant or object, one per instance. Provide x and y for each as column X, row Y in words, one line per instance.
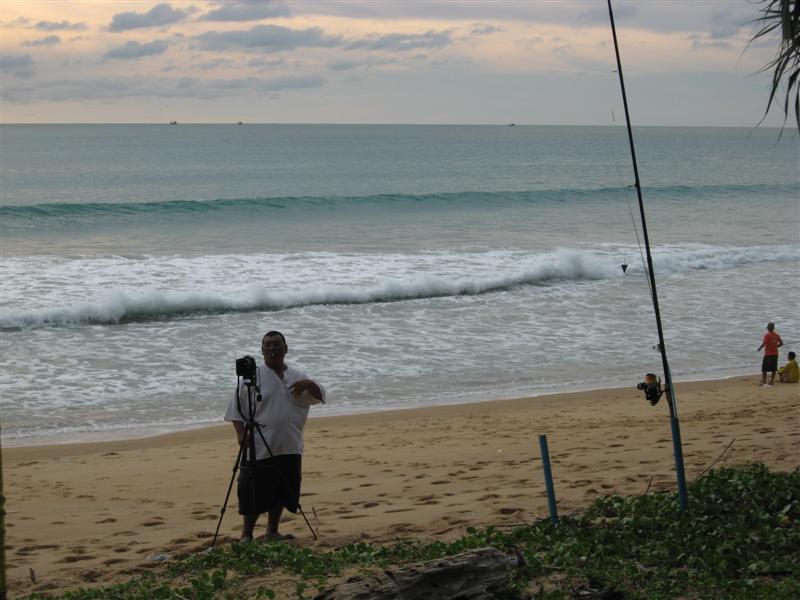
column 769, row 364
column 276, row 483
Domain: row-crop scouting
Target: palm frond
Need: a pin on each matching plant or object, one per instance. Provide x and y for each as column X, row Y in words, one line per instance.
column 783, row 16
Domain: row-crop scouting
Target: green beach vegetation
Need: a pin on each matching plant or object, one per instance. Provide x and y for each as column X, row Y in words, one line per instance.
column 739, row 539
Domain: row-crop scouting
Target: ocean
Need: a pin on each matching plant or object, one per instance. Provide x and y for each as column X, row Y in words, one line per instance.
column 407, row 265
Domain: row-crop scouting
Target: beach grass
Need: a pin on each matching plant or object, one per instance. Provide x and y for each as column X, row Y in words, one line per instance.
column 738, row 539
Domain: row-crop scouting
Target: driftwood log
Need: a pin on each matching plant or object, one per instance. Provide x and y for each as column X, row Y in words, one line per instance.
column 478, row 574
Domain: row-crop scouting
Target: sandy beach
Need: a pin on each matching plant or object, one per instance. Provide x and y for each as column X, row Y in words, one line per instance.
column 96, row 512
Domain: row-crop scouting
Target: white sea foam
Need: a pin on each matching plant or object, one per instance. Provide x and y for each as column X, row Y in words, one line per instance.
column 121, row 290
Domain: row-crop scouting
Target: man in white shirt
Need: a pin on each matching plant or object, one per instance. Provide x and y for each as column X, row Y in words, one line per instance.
column 287, row 394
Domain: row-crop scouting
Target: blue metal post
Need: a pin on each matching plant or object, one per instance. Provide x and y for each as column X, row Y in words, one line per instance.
column 548, row 479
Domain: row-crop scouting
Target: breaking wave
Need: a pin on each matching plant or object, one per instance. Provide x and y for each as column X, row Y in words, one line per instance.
column 453, row 275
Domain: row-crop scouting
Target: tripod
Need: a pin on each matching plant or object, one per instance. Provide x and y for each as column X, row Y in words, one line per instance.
column 249, row 428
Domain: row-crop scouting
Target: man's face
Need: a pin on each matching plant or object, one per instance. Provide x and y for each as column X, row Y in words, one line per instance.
column 273, row 349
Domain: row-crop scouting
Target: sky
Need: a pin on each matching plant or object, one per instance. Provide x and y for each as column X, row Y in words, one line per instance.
column 686, row 62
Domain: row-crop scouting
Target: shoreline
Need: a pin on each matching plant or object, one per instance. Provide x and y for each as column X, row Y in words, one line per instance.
column 143, row 433
column 96, row 513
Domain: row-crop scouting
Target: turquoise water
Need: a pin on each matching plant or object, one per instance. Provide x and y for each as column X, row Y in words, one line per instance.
column 408, row 265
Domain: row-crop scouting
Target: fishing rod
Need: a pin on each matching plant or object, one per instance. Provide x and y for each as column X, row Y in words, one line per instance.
column 652, row 385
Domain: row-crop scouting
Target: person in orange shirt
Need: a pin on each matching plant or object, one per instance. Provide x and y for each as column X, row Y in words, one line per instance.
column 771, row 342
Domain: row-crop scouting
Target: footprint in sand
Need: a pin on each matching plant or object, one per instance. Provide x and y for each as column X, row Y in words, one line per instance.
column 509, row 510
column 152, row 523
column 29, row 549
column 75, row 558
column 125, row 533
column 108, row 520
column 113, row 561
column 430, row 502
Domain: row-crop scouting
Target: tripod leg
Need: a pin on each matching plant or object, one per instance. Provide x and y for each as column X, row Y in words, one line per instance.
column 311, row 529
column 230, row 487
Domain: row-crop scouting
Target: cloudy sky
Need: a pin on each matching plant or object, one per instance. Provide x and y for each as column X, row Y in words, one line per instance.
column 296, row 61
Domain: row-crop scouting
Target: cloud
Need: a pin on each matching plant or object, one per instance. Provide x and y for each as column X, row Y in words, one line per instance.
column 404, row 41
column 17, row 65
column 210, row 65
column 484, row 29
column 704, row 41
column 45, row 41
column 282, row 83
column 124, row 89
column 270, row 38
column 59, row 26
column 18, row 22
column 137, row 50
column 158, row 16
column 342, row 65
column 724, row 24
column 599, row 14
column 264, row 63
column 247, row 11
column 374, row 61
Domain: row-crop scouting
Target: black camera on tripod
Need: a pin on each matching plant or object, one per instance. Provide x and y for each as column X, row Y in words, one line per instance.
column 246, row 368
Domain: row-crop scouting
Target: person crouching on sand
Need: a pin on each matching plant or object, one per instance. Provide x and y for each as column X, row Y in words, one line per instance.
column 274, row 483
column 790, row 372
column 771, row 342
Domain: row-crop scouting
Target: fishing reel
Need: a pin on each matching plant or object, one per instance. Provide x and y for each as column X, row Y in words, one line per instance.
column 651, row 386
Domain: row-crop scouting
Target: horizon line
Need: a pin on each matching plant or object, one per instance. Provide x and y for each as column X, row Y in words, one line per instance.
column 384, row 124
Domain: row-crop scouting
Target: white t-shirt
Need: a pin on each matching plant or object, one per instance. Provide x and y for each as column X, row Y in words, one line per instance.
column 281, row 417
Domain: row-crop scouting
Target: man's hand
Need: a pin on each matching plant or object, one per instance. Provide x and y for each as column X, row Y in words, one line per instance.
column 306, row 385
column 241, row 432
